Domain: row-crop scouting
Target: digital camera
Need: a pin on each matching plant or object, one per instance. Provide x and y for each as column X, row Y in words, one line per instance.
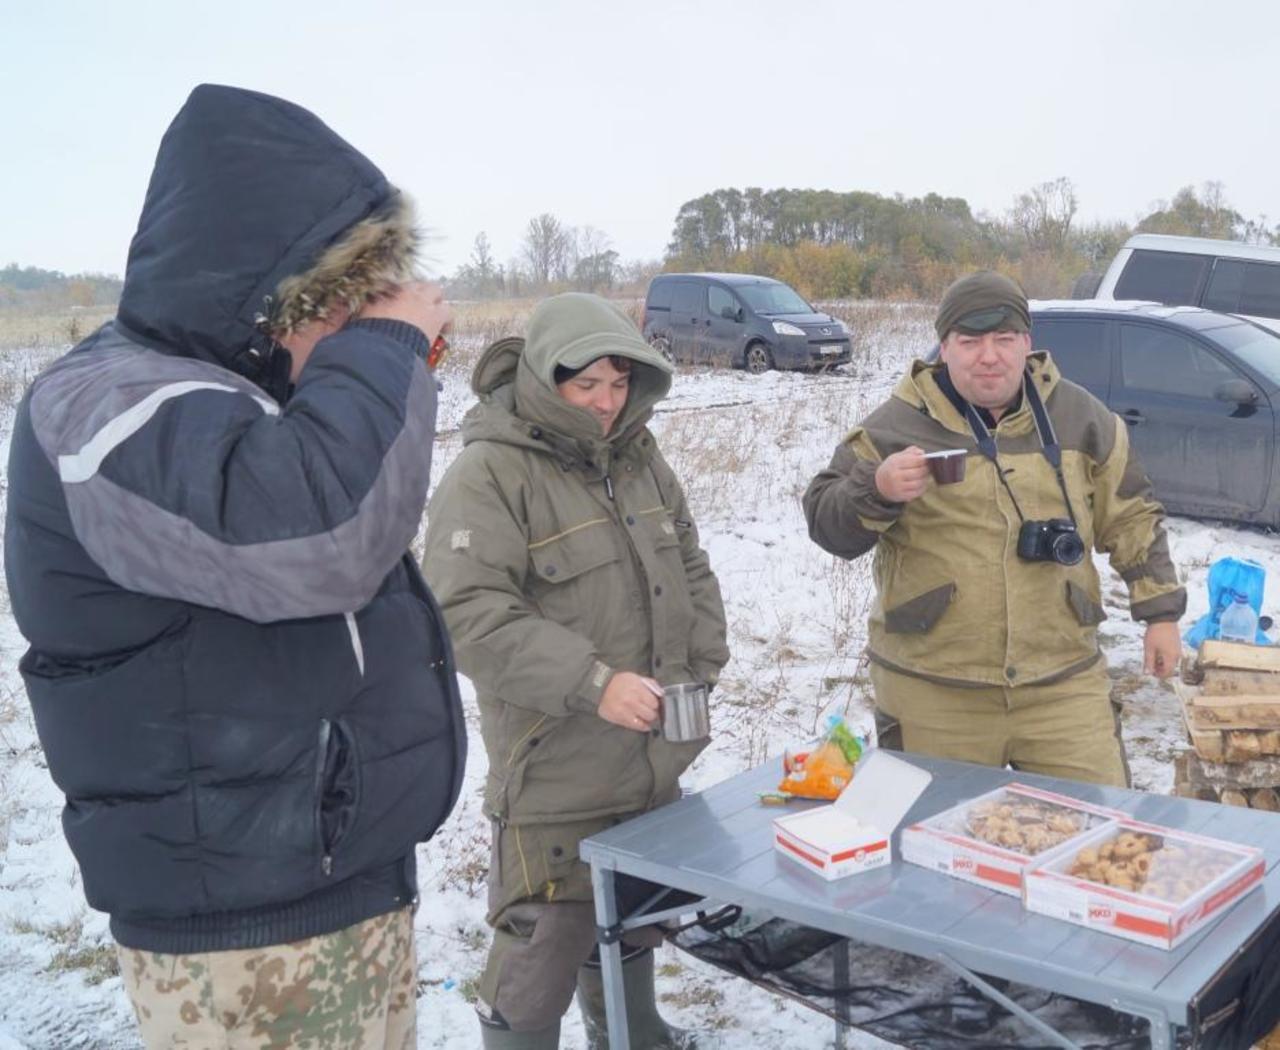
column 1054, row 540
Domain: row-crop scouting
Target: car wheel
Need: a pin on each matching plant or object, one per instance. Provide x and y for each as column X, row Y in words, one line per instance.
column 758, row 359
column 663, row 345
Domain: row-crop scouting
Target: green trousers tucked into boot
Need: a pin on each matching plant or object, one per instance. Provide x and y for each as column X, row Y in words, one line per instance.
column 495, row 1035
column 647, row 1029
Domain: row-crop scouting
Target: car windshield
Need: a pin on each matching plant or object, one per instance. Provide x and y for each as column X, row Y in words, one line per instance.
column 773, row 299
column 1256, row 347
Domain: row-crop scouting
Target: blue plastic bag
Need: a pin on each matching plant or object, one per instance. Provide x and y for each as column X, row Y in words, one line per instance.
column 1227, row 578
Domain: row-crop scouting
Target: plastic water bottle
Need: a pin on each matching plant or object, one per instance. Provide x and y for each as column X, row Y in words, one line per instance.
column 1239, row 623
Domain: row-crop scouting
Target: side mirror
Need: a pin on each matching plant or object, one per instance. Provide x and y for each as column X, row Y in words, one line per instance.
column 731, row 313
column 1236, row 392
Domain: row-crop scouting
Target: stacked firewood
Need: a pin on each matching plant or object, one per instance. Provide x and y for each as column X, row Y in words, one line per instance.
column 1230, row 696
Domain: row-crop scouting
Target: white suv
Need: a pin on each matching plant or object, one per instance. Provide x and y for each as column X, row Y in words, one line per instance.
column 1226, row 276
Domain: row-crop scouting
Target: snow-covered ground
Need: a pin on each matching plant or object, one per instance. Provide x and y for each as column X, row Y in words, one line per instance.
column 745, row 448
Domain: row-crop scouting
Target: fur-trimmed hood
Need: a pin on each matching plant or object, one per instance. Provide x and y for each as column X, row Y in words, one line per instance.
column 258, row 218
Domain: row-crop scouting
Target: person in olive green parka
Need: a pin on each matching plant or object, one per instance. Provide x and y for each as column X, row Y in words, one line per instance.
column 568, row 566
column 983, row 636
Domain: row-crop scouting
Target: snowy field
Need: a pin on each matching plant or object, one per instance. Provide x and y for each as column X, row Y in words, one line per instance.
column 745, row 448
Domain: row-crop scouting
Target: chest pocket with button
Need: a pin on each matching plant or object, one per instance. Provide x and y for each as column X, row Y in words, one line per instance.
column 575, row 577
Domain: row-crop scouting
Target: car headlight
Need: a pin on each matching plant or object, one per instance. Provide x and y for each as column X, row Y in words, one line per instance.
column 784, row 328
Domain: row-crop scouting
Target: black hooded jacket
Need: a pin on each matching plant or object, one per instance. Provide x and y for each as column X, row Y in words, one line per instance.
column 241, row 683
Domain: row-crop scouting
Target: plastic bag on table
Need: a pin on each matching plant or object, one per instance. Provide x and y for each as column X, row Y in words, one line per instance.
column 825, row 771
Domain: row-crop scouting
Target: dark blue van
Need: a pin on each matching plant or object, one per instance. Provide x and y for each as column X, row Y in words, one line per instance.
column 741, row 320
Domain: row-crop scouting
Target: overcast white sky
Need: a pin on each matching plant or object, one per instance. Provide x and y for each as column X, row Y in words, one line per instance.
column 612, row 115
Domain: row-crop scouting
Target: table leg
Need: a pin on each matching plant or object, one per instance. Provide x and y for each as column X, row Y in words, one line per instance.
column 842, row 1001
column 1163, row 1034
column 615, row 1005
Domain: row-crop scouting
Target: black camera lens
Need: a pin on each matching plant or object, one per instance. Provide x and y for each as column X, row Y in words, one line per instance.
column 1067, row 548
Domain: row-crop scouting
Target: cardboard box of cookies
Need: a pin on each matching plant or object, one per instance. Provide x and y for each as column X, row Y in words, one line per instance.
column 994, row 838
column 1147, row 883
column 853, row 833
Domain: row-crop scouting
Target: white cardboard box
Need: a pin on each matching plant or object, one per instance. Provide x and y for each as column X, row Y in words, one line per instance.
column 944, row 843
column 1051, row 889
column 852, row 834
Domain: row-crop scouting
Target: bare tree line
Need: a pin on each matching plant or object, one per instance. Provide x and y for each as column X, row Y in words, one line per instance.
column 552, row 256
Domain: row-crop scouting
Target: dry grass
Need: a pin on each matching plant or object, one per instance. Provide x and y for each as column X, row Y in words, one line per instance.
column 709, row 453
column 97, row 961
column 878, row 324
column 20, row 329
column 14, row 742
column 850, row 589
column 465, row 847
column 698, row 992
column 477, row 324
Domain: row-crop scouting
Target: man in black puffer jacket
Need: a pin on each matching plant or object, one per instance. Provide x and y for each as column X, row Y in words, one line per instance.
column 242, row 685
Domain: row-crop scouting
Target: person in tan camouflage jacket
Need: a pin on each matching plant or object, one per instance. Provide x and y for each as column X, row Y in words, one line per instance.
column 569, row 569
column 983, row 636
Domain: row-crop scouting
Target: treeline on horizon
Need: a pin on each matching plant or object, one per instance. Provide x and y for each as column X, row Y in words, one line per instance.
column 32, row 289
column 833, row 245
column 826, row 244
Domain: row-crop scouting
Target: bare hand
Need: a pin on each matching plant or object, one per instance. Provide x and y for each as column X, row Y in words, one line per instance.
column 631, row 701
column 903, row 476
column 1161, row 649
column 419, row 303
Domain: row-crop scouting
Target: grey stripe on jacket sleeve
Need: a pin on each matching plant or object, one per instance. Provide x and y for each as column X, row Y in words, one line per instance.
column 330, row 560
column 83, row 464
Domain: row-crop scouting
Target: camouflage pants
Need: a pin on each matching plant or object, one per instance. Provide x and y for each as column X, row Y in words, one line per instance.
column 350, row 990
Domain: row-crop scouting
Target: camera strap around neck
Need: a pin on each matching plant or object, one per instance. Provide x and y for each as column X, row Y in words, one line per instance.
column 1044, row 430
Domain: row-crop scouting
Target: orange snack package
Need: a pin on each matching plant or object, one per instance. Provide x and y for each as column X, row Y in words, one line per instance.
column 823, row 772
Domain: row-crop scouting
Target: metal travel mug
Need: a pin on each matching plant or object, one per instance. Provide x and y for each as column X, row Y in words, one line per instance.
column 685, row 714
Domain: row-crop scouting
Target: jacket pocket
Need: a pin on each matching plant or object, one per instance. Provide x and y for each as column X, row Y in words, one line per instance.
column 918, row 615
column 576, row 579
column 337, row 789
column 1088, row 612
column 567, row 556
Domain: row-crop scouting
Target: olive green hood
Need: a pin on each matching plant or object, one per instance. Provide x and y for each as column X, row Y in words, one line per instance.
column 515, row 377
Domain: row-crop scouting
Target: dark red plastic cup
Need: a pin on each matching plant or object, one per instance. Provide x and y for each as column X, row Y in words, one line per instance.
column 947, row 466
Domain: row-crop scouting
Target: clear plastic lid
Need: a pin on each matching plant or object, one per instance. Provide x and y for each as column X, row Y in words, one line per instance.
column 1152, row 865
column 1017, row 822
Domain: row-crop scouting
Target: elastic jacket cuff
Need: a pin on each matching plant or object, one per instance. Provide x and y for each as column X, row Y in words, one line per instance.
column 1167, row 607
column 402, row 332
column 870, row 505
column 587, row 699
column 707, row 674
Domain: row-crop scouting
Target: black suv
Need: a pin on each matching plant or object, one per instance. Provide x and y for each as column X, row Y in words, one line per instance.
column 742, row 320
column 1199, row 391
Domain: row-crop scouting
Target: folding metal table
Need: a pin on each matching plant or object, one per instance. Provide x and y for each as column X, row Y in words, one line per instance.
column 718, row 844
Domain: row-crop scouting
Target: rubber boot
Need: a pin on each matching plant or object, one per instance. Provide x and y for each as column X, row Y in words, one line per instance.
column 495, row 1035
column 647, row 1029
